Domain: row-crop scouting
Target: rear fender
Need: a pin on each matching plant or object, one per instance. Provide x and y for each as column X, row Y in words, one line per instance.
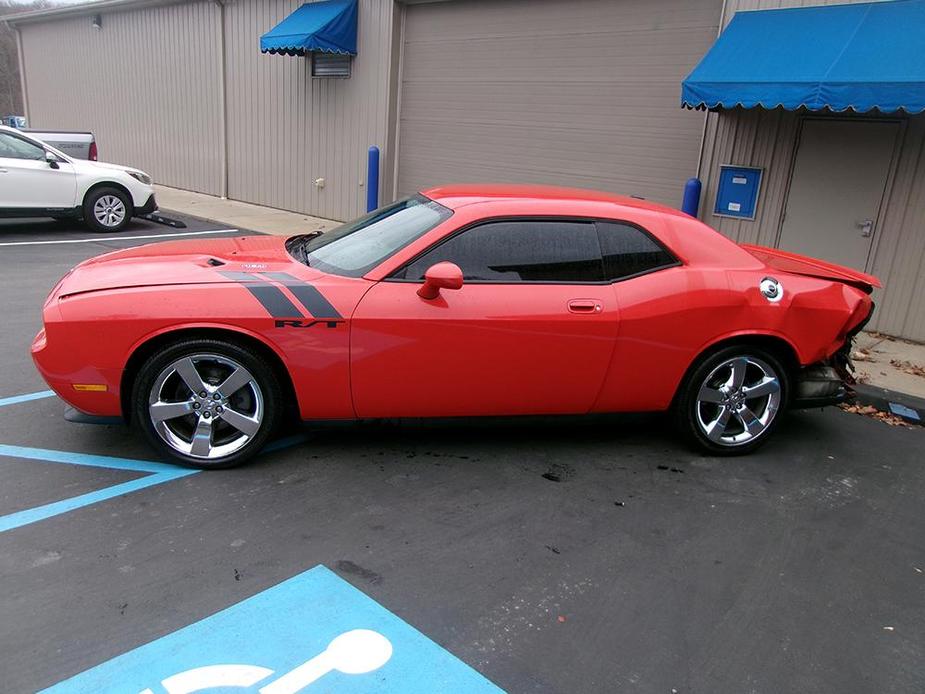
column 815, row 316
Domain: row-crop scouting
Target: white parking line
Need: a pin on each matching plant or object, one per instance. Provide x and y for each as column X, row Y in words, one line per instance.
column 117, row 238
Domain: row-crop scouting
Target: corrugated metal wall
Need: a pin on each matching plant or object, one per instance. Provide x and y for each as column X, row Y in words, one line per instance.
column 286, row 129
column 768, row 139
column 147, row 84
column 547, row 91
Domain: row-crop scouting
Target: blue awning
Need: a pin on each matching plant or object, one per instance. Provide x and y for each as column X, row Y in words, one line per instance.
column 840, row 57
column 324, row 27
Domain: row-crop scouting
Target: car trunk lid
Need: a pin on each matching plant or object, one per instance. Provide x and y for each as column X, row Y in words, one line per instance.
column 802, row 265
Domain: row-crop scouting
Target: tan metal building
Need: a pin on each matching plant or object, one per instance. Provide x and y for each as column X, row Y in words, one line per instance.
column 552, row 91
column 182, row 90
column 546, row 91
column 450, row 91
column 847, row 187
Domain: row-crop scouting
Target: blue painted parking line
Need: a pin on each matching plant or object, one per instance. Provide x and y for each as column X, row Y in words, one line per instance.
column 285, row 442
column 159, row 473
column 33, row 515
column 52, row 456
column 16, row 399
column 313, row 632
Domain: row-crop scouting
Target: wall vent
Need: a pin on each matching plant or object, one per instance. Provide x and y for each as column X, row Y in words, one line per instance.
column 330, row 65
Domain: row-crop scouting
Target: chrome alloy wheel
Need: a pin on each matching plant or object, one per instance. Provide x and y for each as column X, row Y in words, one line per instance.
column 738, row 401
column 206, row 406
column 109, row 210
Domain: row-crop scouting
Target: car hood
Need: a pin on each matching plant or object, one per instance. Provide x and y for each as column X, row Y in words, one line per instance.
column 802, row 265
column 95, row 166
column 182, row 263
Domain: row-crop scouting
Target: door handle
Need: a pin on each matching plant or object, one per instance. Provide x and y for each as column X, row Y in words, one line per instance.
column 584, row 306
column 2, row 170
column 867, row 227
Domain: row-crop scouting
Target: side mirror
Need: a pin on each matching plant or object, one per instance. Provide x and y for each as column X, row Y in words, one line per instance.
column 51, row 159
column 440, row 276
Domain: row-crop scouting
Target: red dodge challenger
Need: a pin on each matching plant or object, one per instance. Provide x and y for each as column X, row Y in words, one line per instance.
column 458, row 301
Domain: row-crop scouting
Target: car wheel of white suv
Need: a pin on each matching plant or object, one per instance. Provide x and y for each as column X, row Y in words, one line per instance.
column 107, row 210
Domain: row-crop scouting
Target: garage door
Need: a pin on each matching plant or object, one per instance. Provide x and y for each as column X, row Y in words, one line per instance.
column 567, row 92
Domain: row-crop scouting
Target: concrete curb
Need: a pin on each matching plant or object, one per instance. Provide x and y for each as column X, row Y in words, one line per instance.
column 909, row 408
column 236, row 213
column 208, row 220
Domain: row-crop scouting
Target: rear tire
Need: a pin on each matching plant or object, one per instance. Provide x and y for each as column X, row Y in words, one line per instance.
column 207, row 403
column 107, row 209
column 731, row 401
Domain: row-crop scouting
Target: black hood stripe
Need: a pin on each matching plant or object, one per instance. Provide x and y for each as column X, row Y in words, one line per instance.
column 308, row 295
column 271, row 298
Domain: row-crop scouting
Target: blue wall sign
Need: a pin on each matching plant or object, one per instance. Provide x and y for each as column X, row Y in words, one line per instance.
column 312, row 633
column 737, row 192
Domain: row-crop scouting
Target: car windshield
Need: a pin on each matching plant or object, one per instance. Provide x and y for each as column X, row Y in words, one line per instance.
column 356, row 247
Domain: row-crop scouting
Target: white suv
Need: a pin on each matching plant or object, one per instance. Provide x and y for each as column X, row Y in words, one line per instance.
column 37, row 180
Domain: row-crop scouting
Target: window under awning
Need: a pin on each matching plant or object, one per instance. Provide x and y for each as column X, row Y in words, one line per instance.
column 316, row 27
column 856, row 57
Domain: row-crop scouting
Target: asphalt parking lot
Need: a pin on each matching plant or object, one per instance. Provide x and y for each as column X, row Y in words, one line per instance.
column 577, row 555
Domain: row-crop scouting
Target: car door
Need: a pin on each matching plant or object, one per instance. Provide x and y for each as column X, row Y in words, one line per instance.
column 28, row 181
column 661, row 310
column 531, row 331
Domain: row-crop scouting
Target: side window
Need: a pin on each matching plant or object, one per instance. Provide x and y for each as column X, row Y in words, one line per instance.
column 519, row 251
column 12, row 147
column 630, row 251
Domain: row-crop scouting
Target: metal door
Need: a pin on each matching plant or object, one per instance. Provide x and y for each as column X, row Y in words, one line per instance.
column 836, row 189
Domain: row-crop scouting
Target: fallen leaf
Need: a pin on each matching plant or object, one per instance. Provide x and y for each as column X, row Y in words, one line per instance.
column 874, row 413
column 908, row 367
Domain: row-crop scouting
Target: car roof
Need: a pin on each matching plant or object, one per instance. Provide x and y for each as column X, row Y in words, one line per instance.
column 14, row 131
column 459, row 195
column 20, row 133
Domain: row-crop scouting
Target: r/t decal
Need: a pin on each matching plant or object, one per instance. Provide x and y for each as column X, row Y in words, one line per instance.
column 307, row 323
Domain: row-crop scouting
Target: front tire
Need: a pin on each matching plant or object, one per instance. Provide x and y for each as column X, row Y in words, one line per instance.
column 731, row 401
column 107, row 210
column 207, row 403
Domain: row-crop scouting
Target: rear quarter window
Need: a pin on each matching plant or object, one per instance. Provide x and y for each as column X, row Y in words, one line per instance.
column 629, row 251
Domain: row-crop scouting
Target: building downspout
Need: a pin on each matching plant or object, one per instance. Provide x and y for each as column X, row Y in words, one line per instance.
column 22, row 75
column 398, row 92
column 223, row 97
column 706, row 114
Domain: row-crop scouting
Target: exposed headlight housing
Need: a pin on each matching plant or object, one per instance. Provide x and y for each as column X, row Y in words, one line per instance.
column 141, row 177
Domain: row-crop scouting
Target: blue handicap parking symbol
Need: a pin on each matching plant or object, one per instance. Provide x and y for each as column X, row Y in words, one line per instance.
column 312, row 633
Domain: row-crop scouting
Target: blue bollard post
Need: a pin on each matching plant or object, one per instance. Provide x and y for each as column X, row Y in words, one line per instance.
column 691, row 201
column 372, row 179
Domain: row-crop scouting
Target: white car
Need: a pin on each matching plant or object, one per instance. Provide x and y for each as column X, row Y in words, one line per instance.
column 37, row 180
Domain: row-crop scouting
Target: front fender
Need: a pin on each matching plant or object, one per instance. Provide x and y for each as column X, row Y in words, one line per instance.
column 94, row 334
